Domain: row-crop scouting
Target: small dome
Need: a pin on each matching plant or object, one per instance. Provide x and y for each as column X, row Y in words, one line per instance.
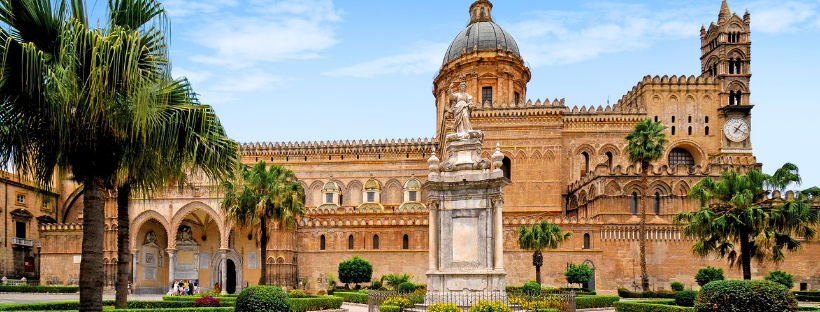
column 372, row 184
column 482, row 34
column 330, row 186
column 413, row 183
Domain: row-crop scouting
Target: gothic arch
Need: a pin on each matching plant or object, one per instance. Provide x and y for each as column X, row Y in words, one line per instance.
column 736, row 85
column 354, row 193
column 682, row 188
column 582, row 197
column 633, row 186
column 141, row 219
column 314, row 194
column 584, row 148
column 593, row 192
column 393, row 191
column 609, row 147
column 521, row 156
column 184, row 211
column 536, row 156
column 549, row 155
column 660, row 187
column 613, row 188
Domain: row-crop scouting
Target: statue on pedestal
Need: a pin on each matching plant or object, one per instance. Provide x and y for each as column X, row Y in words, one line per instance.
column 461, row 109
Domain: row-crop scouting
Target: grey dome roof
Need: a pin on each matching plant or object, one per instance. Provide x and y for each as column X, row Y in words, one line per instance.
column 485, row 35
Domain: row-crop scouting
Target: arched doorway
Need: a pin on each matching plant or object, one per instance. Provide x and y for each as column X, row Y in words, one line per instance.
column 591, row 284
column 231, row 277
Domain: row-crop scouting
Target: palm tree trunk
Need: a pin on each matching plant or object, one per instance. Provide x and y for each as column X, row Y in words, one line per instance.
column 642, row 236
column 123, row 242
column 745, row 256
column 91, row 267
column 263, row 240
column 537, row 261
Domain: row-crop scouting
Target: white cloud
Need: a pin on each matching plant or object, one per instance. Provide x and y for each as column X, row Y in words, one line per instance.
column 424, row 57
column 182, row 8
column 252, row 80
column 194, row 76
column 775, row 17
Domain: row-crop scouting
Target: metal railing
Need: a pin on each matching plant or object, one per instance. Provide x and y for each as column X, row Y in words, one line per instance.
column 22, row 241
column 564, row 301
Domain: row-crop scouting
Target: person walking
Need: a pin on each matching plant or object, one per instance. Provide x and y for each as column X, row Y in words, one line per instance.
column 185, row 287
column 176, row 287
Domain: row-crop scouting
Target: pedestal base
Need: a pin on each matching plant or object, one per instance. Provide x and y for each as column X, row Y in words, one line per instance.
column 462, row 287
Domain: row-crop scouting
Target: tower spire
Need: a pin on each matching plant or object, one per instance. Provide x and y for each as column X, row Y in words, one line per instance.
column 724, row 12
column 481, row 11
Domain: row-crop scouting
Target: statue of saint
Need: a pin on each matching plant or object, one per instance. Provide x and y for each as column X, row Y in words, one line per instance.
column 461, row 109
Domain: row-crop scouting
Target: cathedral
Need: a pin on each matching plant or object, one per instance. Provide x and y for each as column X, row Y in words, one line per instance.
column 565, row 162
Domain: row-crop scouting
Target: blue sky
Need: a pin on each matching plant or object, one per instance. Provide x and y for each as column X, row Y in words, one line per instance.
column 294, row 70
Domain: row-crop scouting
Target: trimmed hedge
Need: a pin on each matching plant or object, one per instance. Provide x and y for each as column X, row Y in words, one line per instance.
column 389, row 308
column 626, row 293
column 195, row 297
column 318, row 303
column 40, row 289
column 650, row 306
column 75, row 305
column 352, row 297
column 220, row 309
column 811, row 296
column 588, row 302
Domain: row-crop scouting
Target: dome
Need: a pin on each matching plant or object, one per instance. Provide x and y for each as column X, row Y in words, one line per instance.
column 484, row 35
column 372, row 184
column 330, row 186
column 413, row 183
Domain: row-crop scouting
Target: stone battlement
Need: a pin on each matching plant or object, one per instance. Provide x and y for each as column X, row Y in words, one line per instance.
column 338, row 147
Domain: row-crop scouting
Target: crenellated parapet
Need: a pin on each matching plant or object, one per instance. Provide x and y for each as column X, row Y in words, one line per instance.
column 635, row 98
column 338, row 147
column 349, row 217
column 61, row 227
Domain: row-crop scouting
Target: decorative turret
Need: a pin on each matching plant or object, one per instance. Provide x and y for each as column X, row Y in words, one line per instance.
column 481, row 11
column 725, row 14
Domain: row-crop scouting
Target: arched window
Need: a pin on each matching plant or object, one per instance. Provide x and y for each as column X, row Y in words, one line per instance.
column 690, row 130
column 707, row 130
column 656, row 118
column 690, row 119
column 376, row 241
column 405, row 242
column 482, row 12
column 707, row 119
column 680, row 156
column 586, row 241
column 609, row 159
column 506, row 166
column 633, row 203
column 585, row 164
column 322, row 242
column 350, row 242
column 657, row 203
column 673, row 130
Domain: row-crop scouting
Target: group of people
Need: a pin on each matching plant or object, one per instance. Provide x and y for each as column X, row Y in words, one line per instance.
column 186, row 287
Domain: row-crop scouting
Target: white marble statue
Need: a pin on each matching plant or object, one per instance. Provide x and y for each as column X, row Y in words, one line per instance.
column 461, row 109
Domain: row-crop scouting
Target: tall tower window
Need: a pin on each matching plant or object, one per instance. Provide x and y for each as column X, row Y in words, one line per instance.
column 405, row 242
column 657, row 203
column 506, row 167
column 486, row 93
column 633, row 203
column 516, row 98
column 609, row 159
column 586, row 241
column 376, row 241
column 706, row 130
column 350, row 242
column 673, row 130
column 690, row 130
column 322, row 243
column 585, row 165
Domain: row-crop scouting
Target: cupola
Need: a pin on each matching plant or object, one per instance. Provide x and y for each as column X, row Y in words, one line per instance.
column 481, row 11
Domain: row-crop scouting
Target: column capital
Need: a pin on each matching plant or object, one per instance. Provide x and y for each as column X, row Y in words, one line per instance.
column 171, row 250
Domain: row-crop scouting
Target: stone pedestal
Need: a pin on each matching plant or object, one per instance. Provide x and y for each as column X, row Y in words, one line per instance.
column 466, row 244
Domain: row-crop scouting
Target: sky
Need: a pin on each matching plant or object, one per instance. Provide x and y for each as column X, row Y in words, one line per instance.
column 299, row 70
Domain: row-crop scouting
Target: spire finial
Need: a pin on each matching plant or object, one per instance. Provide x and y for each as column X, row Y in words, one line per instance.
column 725, row 13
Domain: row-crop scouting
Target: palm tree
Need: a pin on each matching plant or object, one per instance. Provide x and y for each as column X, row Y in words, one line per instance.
column 203, row 146
column 72, row 97
column 261, row 195
column 645, row 144
column 734, row 213
column 540, row 236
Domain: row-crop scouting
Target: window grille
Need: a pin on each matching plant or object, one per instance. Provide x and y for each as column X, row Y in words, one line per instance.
column 680, row 156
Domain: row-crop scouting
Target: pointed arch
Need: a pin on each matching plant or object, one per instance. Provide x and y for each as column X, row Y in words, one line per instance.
column 613, row 188
column 584, row 148
column 609, row 147
column 314, row 194
column 660, row 187
column 354, row 193
column 392, row 190
column 184, row 211
column 143, row 217
column 633, row 186
column 681, row 188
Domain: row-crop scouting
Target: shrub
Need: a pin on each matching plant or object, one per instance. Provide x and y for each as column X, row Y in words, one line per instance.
column 677, row 286
column 686, row 298
column 443, row 307
column 390, row 308
column 352, row 297
column 262, row 298
column 296, row 293
column 355, row 270
column 398, row 301
column 781, row 277
column 383, row 288
column 39, row 289
column 813, row 296
column 626, row 293
column 578, row 273
column 738, row 295
column 376, row 285
column 394, row 280
column 407, row 287
column 316, row 303
column 490, row 306
column 531, row 287
column 650, row 306
column 207, row 301
column 590, row 302
column 708, row 274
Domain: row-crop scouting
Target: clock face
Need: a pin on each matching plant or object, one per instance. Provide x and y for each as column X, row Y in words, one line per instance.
column 736, row 129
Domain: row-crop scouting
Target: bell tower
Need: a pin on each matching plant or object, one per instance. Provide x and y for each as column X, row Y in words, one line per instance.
column 726, row 56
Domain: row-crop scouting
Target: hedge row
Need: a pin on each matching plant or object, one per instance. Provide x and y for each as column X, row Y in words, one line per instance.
column 625, row 293
column 195, row 298
column 39, row 289
column 352, row 297
column 650, row 306
column 808, row 309
column 313, row 304
column 588, row 302
column 578, row 292
column 75, row 305
column 813, row 296
column 220, row 309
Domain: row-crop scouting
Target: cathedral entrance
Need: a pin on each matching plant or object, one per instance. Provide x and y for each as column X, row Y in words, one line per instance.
column 231, row 273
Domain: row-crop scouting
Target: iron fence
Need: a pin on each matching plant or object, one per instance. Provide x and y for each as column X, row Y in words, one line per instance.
column 564, row 301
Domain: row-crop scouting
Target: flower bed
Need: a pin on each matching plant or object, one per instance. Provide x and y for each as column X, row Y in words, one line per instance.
column 650, row 306
column 39, row 289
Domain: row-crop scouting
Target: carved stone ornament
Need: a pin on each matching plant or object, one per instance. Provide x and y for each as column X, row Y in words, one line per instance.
column 150, row 238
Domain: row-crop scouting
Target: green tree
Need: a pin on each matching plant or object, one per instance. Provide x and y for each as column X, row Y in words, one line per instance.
column 73, row 97
column 258, row 196
column 736, row 222
column 708, row 274
column 394, row 280
column 541, row 236
column 355, row 270
column 645, row 144
column 578, row 273
column 781, row 277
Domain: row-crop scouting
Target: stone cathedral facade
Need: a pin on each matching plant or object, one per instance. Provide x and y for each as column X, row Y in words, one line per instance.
column 565, row 161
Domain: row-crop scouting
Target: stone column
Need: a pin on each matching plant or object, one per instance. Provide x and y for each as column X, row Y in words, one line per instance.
column 134, row 257
column 224, row 265
column 433, row 242
column 172, row 254
column 499, row 235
